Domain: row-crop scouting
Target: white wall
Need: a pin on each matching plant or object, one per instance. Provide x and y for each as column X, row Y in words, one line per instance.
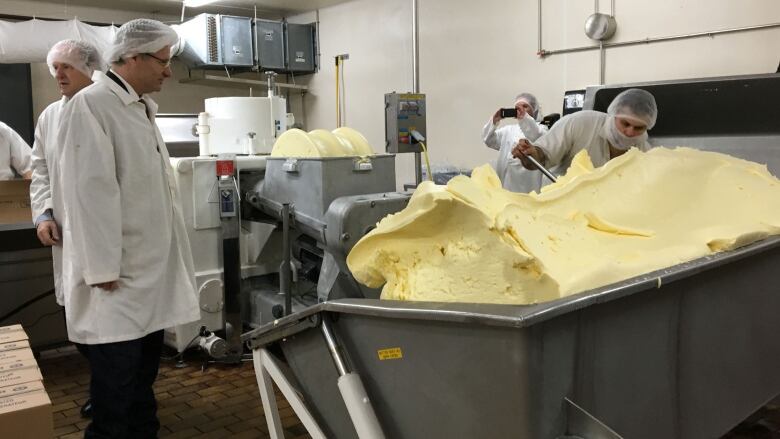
column 475, row 56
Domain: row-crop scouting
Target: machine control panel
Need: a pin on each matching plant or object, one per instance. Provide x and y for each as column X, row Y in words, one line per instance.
column 404, row 112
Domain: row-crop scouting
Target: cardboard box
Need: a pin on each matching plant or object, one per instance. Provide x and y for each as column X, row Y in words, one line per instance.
column 15, row 202
column 16, row 355
column 11, row 328
column 32, row 386
column 26, row 415
column 12, row 336
column 22, row 344
column 18, row 365
column 16, row 377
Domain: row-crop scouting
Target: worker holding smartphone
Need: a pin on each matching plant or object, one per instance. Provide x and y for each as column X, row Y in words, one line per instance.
column 520, row 122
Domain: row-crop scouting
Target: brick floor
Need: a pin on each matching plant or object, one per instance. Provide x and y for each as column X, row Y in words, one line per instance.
column 224, row 402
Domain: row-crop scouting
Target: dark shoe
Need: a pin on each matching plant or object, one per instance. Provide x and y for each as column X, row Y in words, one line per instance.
column 86, row 409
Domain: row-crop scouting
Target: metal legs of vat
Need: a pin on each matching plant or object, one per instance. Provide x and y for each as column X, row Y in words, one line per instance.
column 266, row 370
column 361, row 412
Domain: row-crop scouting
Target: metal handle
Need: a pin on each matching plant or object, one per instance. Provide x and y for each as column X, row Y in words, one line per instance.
column 539, row 166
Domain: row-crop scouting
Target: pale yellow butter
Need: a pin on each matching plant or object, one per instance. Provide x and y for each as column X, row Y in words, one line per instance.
column 472, row 241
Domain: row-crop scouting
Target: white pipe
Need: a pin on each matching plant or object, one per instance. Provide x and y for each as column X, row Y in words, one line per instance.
column 359, row 407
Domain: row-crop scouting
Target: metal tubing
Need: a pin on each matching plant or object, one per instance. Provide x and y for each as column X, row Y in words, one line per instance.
column 416, row 82
column 333, row 348
column 539, row 15
column 418, row 168
column 284, row 277
column 415, row 50
column 602, row 62
column 657, row 39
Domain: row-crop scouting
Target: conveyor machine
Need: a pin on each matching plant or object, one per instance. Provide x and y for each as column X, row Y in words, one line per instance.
column 684, row 352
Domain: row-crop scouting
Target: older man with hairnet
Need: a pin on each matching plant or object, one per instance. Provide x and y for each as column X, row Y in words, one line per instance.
column 129, row 273
column 513, row 175
column 72, row 64
column 604, row 135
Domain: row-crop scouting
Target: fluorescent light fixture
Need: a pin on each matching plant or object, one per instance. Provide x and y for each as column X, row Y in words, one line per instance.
column 197, row 3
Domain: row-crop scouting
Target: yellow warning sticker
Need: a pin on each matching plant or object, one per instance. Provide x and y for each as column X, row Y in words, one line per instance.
column 390, row 354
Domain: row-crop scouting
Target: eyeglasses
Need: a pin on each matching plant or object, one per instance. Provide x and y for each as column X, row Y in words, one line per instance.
column 165, row 63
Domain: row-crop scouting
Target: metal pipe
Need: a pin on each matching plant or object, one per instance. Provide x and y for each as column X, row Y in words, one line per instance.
column 284, row 276
column 657, row 39
column 602, row 62
column 416, row 82
column 612, row 9
column 333, row 348
column 539, row 15
column 415, row 50
column 183, row 6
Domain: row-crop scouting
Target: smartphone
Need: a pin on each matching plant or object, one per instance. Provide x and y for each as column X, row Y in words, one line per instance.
column 508, row 112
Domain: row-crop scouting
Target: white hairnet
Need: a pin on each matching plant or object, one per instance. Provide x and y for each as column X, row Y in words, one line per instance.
column 635, row 104
column 531, row 100
column 80, row 55
column 140, row 36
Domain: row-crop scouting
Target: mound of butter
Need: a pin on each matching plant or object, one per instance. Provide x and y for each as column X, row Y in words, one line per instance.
column 340, row 142
column 472, row 241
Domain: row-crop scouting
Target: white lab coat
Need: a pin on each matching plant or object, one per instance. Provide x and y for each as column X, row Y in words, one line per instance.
column 14, row 153
column 45, row 174
column 122, row 220
column 571, row 134
column 513, row 175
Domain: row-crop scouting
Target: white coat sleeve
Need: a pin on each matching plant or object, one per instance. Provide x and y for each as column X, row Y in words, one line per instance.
column 20, row 152
column 531, row 129
column 556, row 142
column 91, row 194
column 40, row 189
column 489, row 135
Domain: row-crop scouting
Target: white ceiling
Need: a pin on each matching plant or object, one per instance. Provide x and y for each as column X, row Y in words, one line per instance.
column 232, row 7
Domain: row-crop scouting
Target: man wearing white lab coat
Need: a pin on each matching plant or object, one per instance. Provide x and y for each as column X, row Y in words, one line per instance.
column 604, row 135
column 72, row 64
column 514, row 177
column 127, row 264
column 14, row 154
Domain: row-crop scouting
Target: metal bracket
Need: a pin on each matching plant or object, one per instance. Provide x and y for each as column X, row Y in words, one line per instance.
column 290, row 165
column 362, row 165
column 582, row 425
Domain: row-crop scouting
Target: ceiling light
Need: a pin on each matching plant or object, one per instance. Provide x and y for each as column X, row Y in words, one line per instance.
column 197, row 3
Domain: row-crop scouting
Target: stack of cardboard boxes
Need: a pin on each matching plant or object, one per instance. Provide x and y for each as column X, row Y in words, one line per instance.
column 25, row 408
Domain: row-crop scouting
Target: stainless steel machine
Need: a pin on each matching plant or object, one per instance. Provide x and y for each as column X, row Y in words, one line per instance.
column 685, row 352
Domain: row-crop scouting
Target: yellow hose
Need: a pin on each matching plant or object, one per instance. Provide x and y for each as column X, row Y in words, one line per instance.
column 427, row 162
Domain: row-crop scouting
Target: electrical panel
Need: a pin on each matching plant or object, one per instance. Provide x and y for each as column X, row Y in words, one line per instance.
column 300, row 48
column 404, row 112
column 269, row 44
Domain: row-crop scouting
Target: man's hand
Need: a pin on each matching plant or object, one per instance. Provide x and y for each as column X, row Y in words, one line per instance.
column 48, row 233
column 108, row 286
column 524, row 149
column 497, row 117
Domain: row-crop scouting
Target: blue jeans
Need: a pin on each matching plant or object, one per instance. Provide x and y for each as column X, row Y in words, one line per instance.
column 121, row 388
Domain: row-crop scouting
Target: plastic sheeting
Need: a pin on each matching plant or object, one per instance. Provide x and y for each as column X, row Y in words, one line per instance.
column 30, row 41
